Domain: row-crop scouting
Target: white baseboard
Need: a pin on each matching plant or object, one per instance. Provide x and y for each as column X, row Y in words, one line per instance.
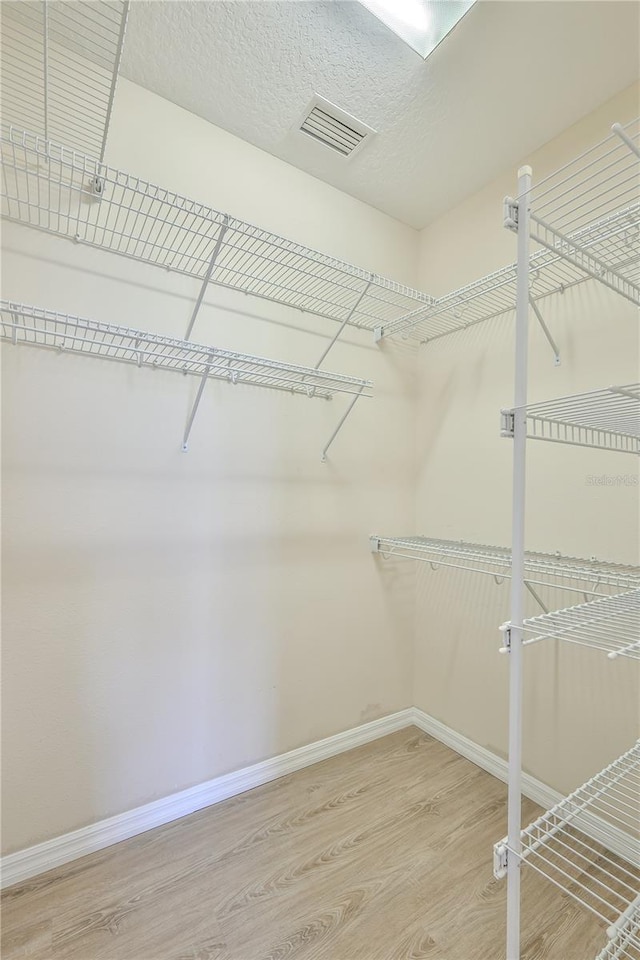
column 24, row 864
column 599, row 830
column 16, row 867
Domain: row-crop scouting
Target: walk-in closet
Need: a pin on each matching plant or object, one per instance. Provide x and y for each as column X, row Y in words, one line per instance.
column 321, row 598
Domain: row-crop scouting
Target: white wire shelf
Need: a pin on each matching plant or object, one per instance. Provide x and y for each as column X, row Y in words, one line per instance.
column 71, row 195
column 567, row 846
column 597, row 194
column 608, row 419
column 542, row 569
column 37, row 327
column 625, row 943
column 610, row 624
column 495, row 294
column 60, row 64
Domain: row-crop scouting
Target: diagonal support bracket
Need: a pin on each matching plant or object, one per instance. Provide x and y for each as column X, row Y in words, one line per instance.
column 341, row 424
column 536, row 596
column 344, row 322
column 546, row 331
column 194, row 410
column 207, row 276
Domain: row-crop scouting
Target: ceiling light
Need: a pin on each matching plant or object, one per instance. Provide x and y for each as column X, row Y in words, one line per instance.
column 420, row 23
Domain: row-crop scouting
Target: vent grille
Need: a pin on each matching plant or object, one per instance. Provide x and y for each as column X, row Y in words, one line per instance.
column 333, row 127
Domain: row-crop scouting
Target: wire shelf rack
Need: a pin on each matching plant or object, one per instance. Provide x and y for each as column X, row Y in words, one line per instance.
column 495, row 294
column 71, row 195
column 595, row 194
column 625, row 943
column 543, row 569
column 60, row 64
column 37, row 327
column 608, row 419
column 611, row 624
column 565, row 846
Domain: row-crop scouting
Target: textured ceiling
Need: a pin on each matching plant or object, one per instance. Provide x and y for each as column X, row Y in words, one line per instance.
column 507, row 79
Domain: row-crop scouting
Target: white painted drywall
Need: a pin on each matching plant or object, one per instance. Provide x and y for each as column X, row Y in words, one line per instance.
column 171, row 617
column 581, row 709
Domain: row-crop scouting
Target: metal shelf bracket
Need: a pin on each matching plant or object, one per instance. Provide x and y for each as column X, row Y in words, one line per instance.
column 510, row 213
column 337, row 430
column 346, row 320
column 506, row 423
column 207, row 276
column 194, row 410
column 505, row 630
column 500, row 858
column 545, row 330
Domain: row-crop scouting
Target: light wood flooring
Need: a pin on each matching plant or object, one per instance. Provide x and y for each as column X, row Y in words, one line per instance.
column 382, row 853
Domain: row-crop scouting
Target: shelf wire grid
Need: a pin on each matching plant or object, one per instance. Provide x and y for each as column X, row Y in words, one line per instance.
column 608, row 419
column 60, row 61
column 596, row 194
column 625, row 943
column 594, row 206
column 36, row 327
column 564, row 846
column 495, row 294
column 72, row 195
column 542, row 569
column 610, row 624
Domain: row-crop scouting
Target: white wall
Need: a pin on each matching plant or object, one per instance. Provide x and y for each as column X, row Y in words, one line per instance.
column 582, row 710
column 169, row 617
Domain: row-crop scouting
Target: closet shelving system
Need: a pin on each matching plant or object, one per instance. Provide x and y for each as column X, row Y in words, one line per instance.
column 587, row 577
column 571, row 844
column 587, row 224
column 20, row 324
column 60, row 65
column 495, row 294
column 68, row 194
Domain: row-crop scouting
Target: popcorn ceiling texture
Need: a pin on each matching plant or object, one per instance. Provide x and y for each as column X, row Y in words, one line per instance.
column 446, row 126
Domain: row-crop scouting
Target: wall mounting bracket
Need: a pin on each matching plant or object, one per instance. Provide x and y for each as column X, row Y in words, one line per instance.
column 500, row 860
column 346, row 320
column 545, row 330
column 207, row 276
column 340, row 424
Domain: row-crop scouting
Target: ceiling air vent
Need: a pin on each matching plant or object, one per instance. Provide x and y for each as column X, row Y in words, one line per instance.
column 334, row 128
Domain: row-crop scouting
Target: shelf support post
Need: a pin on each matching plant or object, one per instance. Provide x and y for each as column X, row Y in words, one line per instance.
column 517, row 567
column 194, row 410
column 545, row 330
column 207, row 276
column 340, row 424
column 344, row 322
column 45, row 67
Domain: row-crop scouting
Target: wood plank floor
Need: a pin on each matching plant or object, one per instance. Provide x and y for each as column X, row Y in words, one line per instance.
column 382, row 853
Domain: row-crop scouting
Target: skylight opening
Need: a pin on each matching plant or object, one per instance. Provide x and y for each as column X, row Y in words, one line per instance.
column 422, row 24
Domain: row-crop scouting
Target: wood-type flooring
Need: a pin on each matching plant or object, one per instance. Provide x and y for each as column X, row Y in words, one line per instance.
column 381, row 853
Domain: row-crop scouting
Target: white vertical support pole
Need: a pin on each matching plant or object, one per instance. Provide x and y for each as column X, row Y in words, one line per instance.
column 517, row 570
column 45, row 67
